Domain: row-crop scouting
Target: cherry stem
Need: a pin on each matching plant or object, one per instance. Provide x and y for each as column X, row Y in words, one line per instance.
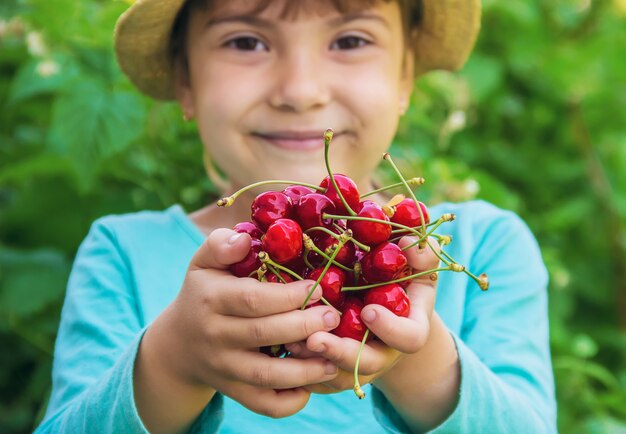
column 328, row 136
column 317, row 250
column 413, row 181
column 228, row 201
column 368, row 219
column 305, row 257
column 344, row 238
column 421, row 239
column 480, row 280
column 265, row 258
column 402, row 279
column 336, row 236
column 278, row 276
column 357, row 385
column 387, row 157
column 441, row 258
column 399, row 231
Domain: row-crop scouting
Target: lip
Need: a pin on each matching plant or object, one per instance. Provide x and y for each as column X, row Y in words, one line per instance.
column 294, row 140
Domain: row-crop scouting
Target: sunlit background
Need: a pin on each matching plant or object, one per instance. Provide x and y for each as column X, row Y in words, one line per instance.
column 535, row 123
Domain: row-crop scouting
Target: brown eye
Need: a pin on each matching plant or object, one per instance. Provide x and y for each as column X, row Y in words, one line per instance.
column 246, row 43
column 350, row 43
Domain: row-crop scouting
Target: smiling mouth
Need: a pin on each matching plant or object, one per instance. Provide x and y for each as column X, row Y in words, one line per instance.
column 294, row 140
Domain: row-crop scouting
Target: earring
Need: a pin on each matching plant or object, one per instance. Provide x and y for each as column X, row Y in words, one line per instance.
column 186, row 117
column 402, row 106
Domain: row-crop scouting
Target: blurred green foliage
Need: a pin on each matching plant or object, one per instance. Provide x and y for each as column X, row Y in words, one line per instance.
column 534, row 123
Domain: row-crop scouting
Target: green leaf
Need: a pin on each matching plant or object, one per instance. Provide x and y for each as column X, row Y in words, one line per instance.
column 484, row 75
column 31, row 280
column 39, row 77
column 93, row 123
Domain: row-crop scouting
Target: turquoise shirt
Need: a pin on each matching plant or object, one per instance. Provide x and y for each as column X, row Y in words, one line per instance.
column 130, row 267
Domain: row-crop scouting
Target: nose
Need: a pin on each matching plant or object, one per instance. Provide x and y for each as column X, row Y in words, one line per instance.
column 300, row 83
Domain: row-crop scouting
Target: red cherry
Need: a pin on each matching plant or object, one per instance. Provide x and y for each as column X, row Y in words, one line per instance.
column 295, row 192
column 331, row 284
column 270, row 206
column 248, row 228
column 370, row 233
column 391, row 296
column 324, row 242
column 383, row 263
column 350, row 323
column 283, row 240
column 348, row 189
column 271, row 277
column 297, row 265
column 407, row 214
column 310, row 209
column 250, row 263
column 406, row 271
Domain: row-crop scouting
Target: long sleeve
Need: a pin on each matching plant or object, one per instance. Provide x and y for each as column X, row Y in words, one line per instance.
column 506, row 374
column 96, row 346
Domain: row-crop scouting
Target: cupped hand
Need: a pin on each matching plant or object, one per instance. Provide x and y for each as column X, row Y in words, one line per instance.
column 398, row 336
column 212, row 332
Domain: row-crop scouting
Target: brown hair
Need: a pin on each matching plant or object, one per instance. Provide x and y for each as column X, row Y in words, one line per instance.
column 411, row 11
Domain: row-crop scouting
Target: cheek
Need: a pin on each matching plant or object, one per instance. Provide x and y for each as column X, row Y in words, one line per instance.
column 378, row 109
column 222, row 94
column 374, row 95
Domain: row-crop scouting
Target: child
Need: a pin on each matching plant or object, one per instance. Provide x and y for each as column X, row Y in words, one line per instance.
column 157, row 335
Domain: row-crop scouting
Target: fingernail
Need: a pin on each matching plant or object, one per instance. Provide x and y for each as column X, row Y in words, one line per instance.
column 330, row 369
column 233, row 239
column 317, row 294
column 369, row 315
column 330, row 320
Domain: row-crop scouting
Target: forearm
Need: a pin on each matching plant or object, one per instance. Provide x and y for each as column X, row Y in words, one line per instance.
column 424, row 387
column 166, row 403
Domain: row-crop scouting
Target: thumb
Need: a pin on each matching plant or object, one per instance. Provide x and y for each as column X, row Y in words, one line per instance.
column 222, row 248
column 421, row 259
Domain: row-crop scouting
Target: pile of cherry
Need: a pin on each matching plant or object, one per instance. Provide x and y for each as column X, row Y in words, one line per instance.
column 345, row 242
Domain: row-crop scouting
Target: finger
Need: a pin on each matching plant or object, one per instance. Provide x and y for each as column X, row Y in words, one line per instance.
column 222, row 248
column 246, row 297
column 321, row 389
column 345, row 381
column 407, row 335
column 289, row 326
column 422, row 296
column 421, row 259
column 269, row 402
column 343, row 352
column 300, row 351
column 260, row 370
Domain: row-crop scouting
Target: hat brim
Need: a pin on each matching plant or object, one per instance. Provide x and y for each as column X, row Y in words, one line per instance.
column 445, row 38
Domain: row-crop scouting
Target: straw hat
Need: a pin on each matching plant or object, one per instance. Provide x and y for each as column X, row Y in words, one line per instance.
column 447, row 34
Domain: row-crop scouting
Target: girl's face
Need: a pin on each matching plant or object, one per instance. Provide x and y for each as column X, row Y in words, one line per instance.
column 263, row 89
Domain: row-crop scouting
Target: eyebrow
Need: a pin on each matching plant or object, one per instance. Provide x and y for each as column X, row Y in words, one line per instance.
column 346, row 18
column 263, row 23
column 247, row 19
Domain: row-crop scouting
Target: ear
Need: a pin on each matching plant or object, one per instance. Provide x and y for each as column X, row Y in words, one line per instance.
column 183, row 90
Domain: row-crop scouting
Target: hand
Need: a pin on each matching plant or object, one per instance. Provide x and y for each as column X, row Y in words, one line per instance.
column 211, row 334
column 400, row 336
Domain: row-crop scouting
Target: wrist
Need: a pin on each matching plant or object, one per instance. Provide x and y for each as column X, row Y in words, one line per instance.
column 167, row 400
column 423, row 387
